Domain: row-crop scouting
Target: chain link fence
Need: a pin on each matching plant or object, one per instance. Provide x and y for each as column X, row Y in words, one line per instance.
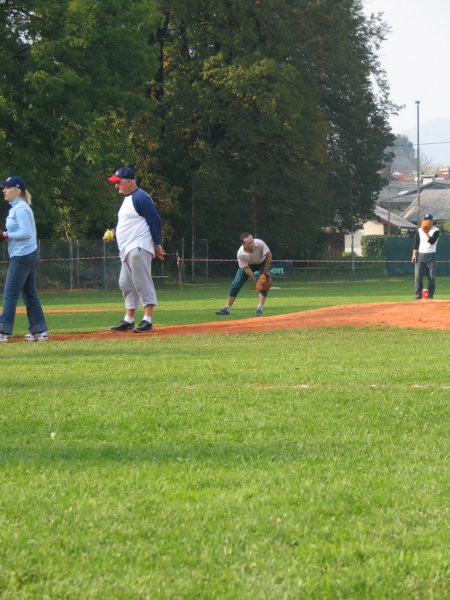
column 92, row 264
column 83, row 264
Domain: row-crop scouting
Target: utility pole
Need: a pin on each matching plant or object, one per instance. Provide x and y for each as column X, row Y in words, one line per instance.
column 352, row 226
column 418, row 166
column 193, row 228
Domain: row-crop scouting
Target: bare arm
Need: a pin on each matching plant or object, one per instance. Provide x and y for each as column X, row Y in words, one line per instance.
column 268, row 262
column 250, row 273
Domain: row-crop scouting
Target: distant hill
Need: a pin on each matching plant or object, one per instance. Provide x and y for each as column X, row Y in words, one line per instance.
column 430, row 134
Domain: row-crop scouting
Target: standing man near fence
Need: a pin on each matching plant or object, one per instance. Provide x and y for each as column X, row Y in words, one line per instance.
column 138, row 234
column 424, row 256
column 254, row 258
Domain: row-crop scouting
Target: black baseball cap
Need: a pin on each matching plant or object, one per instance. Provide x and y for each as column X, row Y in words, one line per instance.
column 16, row 182
column 428, row 217
column 121, row 173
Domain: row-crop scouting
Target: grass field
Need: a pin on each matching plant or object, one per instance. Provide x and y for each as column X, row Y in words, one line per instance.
column 294, row 464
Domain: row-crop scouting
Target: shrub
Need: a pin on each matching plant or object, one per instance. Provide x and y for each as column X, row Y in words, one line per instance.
column 372, row 246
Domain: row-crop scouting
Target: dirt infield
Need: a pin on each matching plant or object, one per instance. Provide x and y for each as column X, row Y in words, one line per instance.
column 419, row 314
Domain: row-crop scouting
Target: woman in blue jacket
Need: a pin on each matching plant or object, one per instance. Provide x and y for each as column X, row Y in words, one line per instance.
column 23, row 252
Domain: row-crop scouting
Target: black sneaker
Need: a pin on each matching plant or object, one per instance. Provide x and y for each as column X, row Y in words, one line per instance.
column 224, row 311
column 122, row 326
column 143, row 327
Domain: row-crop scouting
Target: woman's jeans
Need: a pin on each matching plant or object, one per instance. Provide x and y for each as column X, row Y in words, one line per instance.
column 21, row 280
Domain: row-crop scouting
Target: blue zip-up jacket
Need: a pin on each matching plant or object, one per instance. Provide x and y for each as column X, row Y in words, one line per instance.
column 21, row 229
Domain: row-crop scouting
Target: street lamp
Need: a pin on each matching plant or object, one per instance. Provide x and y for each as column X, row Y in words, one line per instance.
column 389, row 201
column 193, row 228
column 418, row 164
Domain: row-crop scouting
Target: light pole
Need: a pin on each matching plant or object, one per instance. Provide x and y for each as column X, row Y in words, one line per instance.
column 352, row 228
column 193, row 228
column 389, row 201
column 418, row 165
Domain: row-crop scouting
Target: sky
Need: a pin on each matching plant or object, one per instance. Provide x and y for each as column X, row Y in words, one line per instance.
column 416, row 58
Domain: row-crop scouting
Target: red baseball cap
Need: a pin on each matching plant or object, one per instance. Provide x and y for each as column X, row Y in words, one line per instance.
column 122, row 173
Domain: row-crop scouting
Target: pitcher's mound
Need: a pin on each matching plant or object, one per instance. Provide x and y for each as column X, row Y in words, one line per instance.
column 421, row 314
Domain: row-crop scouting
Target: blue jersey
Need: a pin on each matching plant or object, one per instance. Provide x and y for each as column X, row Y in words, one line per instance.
column 139, row 224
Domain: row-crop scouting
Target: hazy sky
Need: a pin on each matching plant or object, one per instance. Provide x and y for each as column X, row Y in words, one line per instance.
column 416, row 57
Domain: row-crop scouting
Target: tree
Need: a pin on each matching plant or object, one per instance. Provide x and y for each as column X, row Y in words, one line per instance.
column 402, row 156
column 236, row 115
column 79, row 80
column 235, row 122
column 342, row 46
column 263, row 111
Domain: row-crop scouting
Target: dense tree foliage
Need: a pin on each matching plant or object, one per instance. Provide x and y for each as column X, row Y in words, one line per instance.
column 402, row 156
column 263, row 115
column 76, row 80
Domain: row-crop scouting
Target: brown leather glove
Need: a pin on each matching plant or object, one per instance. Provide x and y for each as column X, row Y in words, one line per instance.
column 426, row 225
column 264, row 283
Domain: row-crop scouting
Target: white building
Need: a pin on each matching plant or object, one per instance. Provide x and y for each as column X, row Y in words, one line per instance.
column 385, row 223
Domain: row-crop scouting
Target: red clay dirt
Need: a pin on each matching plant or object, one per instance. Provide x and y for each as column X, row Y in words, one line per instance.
column 419, row 314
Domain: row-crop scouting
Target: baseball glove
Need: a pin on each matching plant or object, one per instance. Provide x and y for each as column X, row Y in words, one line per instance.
column 264, row 282
column 426, row 225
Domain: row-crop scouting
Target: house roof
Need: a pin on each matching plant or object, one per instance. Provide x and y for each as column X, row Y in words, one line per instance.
column 396, row 191
column 434, row 199
column 397, row 195
column 393, row 219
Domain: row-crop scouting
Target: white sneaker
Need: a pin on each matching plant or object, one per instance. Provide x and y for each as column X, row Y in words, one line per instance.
column 37, row 337
column 4, row 337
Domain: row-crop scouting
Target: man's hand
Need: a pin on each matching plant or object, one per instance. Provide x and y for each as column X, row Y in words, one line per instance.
column 3, row 237
column 109, row 235
column 159, row 252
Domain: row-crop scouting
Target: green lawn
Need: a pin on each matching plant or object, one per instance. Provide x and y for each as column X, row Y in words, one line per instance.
column 295, row 464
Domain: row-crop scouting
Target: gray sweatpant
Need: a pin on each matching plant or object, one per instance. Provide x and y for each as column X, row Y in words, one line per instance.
column 135, row 280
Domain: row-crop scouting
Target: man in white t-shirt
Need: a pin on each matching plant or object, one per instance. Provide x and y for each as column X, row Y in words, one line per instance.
column 254, row 258
column 138, row 234
column 424, row 256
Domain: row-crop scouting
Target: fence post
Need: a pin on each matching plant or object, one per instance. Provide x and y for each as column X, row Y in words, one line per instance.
column 104, row 276
column 71, row 264
column 78, row 264
column 182, row 257
column 38, row 270
column 207, row 256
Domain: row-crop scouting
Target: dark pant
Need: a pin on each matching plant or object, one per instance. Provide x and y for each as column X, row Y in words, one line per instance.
column 425, row 265
column 241, row 277
column 21, row 280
